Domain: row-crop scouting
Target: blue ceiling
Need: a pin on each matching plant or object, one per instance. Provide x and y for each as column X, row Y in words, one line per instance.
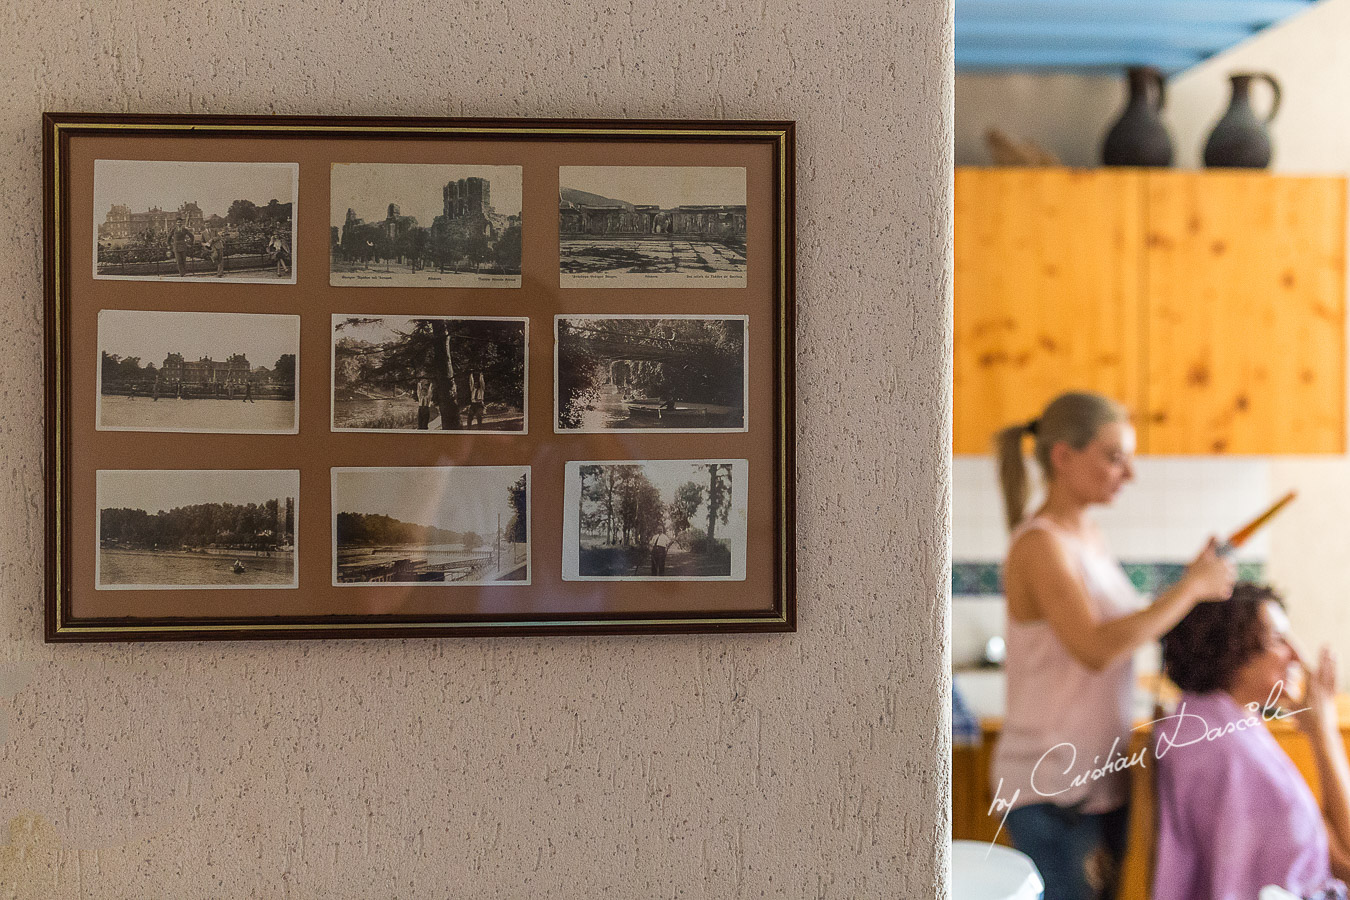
column 1106, row 35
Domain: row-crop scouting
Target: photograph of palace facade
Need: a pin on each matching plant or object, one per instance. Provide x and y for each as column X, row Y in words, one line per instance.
column 121, row 224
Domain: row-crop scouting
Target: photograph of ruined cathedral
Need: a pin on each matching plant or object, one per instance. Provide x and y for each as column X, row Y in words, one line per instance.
column 405, row 225
column 651, row 226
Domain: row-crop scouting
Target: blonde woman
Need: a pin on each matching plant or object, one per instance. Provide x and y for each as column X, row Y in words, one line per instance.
column 1073, row 623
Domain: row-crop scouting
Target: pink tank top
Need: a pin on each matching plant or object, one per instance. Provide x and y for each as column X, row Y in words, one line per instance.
column 1062, row 718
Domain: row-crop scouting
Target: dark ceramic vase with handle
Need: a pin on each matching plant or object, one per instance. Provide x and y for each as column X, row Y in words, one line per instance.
column 1139, row 137
column 1241, row 139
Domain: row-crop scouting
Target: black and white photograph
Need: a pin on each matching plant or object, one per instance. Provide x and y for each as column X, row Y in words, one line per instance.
column 651, row 226
column 185, row 528
column 650, row 373
column 655, row 520
column 459, row 525
column 158, row 220
column 430, row 373
column 197, row 372
column 405, row 225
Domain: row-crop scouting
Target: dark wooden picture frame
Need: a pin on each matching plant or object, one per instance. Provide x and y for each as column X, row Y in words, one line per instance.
column 671, row 266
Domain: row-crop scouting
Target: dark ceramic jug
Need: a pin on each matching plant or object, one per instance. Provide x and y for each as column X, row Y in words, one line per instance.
column 1240, row 139
column 1138, row 138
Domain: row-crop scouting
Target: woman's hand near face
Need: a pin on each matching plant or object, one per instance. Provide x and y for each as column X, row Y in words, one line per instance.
column 1317, row 719
column 1210, row 576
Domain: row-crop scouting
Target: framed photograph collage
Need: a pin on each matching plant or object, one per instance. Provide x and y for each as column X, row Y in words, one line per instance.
column 356, row 377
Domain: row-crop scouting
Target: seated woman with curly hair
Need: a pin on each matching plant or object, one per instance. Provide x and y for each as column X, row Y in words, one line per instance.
column 1234, row 814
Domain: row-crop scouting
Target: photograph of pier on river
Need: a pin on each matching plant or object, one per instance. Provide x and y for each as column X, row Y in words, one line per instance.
column 651, row 226
column 655, row 520
column 399, row 373
column 650, row 373
column 457, row 525
column 197, row 372
column 186, row 528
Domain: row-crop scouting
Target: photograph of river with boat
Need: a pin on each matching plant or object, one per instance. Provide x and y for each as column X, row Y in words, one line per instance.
column 460, row 525
column 655, row 520
column 429, row 373
column 650, row 373
column 189, row 528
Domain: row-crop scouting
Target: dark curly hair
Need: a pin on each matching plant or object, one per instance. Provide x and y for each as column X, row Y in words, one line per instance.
column 1205, row 650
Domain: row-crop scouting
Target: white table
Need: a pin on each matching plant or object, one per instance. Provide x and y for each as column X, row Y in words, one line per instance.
column 982, row 871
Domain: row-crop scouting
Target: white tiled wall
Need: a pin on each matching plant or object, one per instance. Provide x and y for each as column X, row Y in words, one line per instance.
column 1165, row 515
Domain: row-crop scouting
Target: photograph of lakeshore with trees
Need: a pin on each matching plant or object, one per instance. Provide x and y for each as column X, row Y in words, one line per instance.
column 650, row 373
column 186, row 528
column 396, row 373
column 195, row 221
column 405, row 225
column 655, row 520
column 197, row 372
column 431, row 525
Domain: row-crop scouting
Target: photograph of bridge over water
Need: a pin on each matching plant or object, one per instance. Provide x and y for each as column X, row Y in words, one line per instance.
column 651, row 226
column 160, row 220
column 185, row 528
column 406, row 225
column 650, row 373
column 655, row 520
column 432, row 373
column 199, row 372
column 457, row 525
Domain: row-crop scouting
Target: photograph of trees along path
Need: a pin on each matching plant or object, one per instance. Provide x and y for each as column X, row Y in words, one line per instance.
column 658, row 519
column 431, row 525
column 425, row 225
column 393, row 373
column 639, row 373
column 186, row 528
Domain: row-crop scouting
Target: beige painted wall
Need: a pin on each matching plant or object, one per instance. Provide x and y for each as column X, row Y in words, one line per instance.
column 812, row 765
column 1066, row 114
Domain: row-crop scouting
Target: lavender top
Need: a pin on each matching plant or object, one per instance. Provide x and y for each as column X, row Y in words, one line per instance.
column 1234, row 814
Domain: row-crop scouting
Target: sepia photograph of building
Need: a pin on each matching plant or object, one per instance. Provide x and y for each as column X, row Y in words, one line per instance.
column 431, row 525
column 188, row 528
column 651, row 226
column 194, row 221
column 197, row 372
column 650, row 373
column 408, row 225
column 655, row 520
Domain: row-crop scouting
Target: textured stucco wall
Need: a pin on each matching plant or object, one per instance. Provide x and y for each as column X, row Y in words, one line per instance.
column 807, row 765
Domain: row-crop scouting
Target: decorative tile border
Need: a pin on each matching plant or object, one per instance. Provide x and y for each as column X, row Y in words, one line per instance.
column 971, row 579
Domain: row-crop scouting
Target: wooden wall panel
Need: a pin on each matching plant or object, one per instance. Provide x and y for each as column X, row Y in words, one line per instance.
column 1245, row 285
column 1047, row 288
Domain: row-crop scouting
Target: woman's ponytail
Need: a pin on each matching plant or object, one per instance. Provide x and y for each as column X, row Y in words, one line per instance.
column 1012, row 472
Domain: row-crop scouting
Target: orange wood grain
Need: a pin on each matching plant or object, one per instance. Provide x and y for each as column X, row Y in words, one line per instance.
column 1047, row 292
column 1245, row 286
